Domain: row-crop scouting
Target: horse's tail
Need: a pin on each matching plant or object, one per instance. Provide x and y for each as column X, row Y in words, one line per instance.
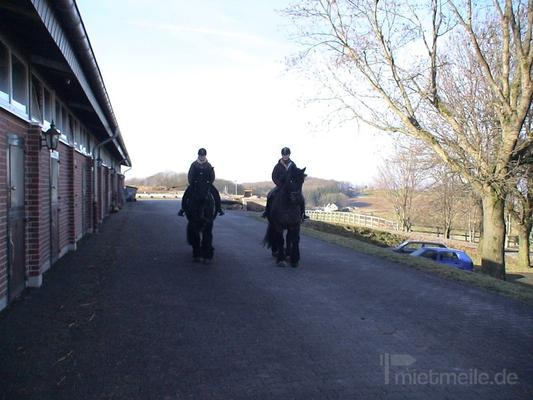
column 267, row 240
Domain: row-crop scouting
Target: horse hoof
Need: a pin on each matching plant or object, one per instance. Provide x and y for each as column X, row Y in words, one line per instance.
column 207, row 261
column 294, row 265
column 281, row 264
column 196, row 259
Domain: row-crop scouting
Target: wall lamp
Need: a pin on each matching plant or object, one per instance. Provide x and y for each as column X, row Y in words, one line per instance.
column 50, row 138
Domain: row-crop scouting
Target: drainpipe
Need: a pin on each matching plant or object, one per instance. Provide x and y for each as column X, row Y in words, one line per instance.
column 95, row 169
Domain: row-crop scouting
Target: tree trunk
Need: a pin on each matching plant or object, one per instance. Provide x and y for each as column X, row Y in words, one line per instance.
column 524, row 260
column 492, row 244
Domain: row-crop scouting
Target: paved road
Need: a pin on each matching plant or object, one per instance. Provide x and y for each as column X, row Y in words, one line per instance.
column 130, row 316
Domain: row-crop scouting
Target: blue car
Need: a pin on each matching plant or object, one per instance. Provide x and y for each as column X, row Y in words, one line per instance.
column 410, row 246
column 452, row 257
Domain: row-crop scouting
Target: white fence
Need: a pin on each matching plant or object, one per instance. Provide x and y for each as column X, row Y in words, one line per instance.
column 159, row 196
column 351, row 219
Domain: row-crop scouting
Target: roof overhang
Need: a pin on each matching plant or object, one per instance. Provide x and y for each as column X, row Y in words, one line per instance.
column 56, row 43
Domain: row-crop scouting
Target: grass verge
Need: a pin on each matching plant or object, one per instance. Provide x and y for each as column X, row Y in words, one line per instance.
column 375, row 243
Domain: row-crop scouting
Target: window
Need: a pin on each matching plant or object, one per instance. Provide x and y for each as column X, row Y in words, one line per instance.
column 431, row 254
column 71, row 129
column 85, row 141
column 20, row 84
column 59, row 119
column 81, row 139
column 412, row 247
column 4, row 73
column 449, row 256
column 64, row 123
column 36, row 99
column 48, row 116
column 76, row 133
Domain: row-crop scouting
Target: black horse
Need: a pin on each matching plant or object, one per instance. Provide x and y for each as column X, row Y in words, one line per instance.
column 200, row 210
column 286, row 214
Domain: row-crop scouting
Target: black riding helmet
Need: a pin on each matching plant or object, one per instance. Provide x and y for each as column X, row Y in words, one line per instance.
column 202, row 152
column 285, row 151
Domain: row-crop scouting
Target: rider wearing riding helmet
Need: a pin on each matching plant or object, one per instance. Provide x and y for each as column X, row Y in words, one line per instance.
column 201, row 168
column 279, row 176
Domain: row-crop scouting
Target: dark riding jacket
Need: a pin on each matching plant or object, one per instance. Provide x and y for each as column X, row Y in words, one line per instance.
column 199, row 171
column 280, row 171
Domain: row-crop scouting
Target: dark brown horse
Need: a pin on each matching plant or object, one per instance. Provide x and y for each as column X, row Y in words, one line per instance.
column 286, row 215
column 200, row 210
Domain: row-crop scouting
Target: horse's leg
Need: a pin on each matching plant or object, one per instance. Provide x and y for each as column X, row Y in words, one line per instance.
column 288, row 244
column 279, row 242
column 207, row 241
column 294, row 237
column 193, row 237
column 274, row 247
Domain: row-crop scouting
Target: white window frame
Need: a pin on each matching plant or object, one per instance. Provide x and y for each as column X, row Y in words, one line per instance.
column 10, row 104
column 41, row 95
column 46, row 123
column 21, row 108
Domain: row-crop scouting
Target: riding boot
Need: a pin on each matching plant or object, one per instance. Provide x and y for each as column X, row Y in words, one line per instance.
column 181, row 212
column 266, row 213
column 302, row 207
column 216, row 197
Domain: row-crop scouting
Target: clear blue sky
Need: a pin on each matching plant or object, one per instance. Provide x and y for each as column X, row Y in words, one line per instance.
column 183, row 75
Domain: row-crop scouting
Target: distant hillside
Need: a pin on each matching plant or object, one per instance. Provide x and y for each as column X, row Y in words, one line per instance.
column 169, row 180
column 317, row 192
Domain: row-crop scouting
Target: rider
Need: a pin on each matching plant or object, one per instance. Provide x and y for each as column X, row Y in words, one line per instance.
column 199, row 167
column 279, row 175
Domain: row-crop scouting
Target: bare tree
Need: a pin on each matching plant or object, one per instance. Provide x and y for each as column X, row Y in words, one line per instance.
column 521, row 211
column 472, row 210
column 455, row 76
column 401, row 177
column 449, row 191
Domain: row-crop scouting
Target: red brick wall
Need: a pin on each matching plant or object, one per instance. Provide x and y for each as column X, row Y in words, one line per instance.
column 120, row 189
column 99, row 196
column 66, row 201
column 8, row 124
column 107, row 191
column 79, row 169
column 90, row 196
column 38, row 203
column 73, row 166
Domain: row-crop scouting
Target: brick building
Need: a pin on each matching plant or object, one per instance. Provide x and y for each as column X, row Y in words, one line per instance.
column 49, row 199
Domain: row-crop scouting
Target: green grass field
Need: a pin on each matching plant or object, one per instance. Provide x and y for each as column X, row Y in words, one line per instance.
column 377, row 243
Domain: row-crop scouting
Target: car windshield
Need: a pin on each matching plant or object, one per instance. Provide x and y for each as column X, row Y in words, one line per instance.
column 428, row 253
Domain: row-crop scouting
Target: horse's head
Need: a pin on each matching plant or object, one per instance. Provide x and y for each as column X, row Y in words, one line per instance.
column 200, row 188
column 294, row 183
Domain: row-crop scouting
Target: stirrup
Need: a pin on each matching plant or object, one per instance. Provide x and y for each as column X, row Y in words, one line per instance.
column 220, row 212
column 181, row 213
